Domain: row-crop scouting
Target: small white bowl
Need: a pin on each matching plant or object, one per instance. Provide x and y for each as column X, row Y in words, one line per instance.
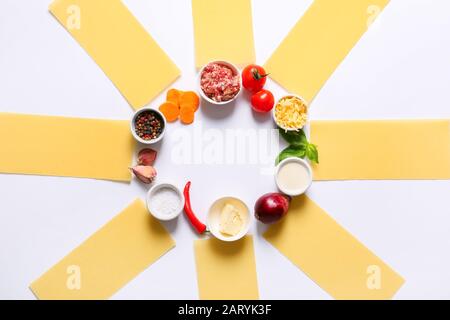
column 274, row 111
column 298, row 192
column 235, row 70
column 213, row 220
column 133, row 125
column 159, row 215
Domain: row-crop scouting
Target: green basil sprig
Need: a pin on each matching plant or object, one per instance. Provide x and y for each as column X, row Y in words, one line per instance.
column 299, row 147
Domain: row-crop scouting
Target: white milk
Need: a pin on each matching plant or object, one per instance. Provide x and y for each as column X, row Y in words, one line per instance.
column 293, row 178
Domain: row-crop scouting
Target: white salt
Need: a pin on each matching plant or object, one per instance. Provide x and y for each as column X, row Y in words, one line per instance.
column 165, row 201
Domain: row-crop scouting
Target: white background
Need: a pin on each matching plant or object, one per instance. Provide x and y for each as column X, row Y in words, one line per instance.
column 399, row 69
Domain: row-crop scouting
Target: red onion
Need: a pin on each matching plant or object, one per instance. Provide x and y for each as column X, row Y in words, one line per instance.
column 272, row 207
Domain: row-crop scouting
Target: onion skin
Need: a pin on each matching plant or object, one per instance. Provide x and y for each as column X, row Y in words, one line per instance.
column 272, row 207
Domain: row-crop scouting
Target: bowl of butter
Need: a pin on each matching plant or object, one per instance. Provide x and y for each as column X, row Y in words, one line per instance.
column 228, row 219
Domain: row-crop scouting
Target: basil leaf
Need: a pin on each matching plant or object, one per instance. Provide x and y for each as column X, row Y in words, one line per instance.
column 312, row 153
column 294, row 138
column 291, row 151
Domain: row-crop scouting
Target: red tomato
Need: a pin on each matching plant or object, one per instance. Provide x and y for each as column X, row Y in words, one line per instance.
column 263, row 101
column 253, row 78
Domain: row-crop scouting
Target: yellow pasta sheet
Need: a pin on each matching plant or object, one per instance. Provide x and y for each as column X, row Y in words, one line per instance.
column 122, row 48
column 223, row 30
column 331, row 256
column 226, row 270
column 59, row 146
column 109, row 259
column 395, row 149
column 319, row 42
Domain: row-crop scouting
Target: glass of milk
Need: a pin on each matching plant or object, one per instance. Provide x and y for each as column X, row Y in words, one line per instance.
column 293, row 176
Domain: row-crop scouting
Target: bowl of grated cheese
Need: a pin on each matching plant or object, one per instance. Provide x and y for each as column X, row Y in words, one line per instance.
column 291, row 113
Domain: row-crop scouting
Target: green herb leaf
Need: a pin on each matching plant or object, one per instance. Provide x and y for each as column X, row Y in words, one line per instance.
column 312, row 153
column 291, row 151
column 294, row 138
column 299, row 146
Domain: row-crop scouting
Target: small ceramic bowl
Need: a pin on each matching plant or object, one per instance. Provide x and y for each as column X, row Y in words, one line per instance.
column 274, row 111
column 298, row 191
column 213, row 220
column 153, row 202
column 158, row 114
column 235, row 70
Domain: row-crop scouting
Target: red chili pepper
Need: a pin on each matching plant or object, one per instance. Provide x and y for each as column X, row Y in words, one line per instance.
column 200, row 227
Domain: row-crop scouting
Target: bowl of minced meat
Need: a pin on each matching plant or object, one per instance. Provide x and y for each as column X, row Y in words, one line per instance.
column 220, row 82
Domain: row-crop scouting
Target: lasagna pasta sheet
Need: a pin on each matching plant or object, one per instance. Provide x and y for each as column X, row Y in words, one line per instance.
column 121, row 47
column 383, row 149
column 226, row 270
column 108, row 259
column 223, row 30
column 69, row 147
column 330, row 255
column 319, row 42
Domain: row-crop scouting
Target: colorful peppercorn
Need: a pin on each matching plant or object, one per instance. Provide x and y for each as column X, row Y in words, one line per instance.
column 148, row 125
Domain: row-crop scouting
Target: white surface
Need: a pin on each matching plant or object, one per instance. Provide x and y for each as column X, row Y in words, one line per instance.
column 399, row 69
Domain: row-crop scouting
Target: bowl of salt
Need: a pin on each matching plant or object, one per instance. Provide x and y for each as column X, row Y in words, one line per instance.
column 165, row 201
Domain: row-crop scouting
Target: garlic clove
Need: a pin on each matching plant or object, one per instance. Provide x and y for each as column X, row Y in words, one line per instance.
column 145, row 174
column 147, row 157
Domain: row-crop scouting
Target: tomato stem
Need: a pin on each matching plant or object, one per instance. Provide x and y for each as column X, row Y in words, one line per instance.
column 257, row 75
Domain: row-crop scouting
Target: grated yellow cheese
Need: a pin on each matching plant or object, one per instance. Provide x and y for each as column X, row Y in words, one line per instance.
column 291, row 113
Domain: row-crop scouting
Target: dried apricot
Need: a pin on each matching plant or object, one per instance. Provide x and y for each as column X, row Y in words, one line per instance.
column 189, row 98
column 187, row 115
column 170, row 110
column 173, row 95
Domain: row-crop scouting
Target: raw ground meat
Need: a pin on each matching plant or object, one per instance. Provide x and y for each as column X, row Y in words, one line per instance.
column 219, row 82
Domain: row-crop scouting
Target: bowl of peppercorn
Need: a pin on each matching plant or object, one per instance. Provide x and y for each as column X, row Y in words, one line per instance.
column 148, row 125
